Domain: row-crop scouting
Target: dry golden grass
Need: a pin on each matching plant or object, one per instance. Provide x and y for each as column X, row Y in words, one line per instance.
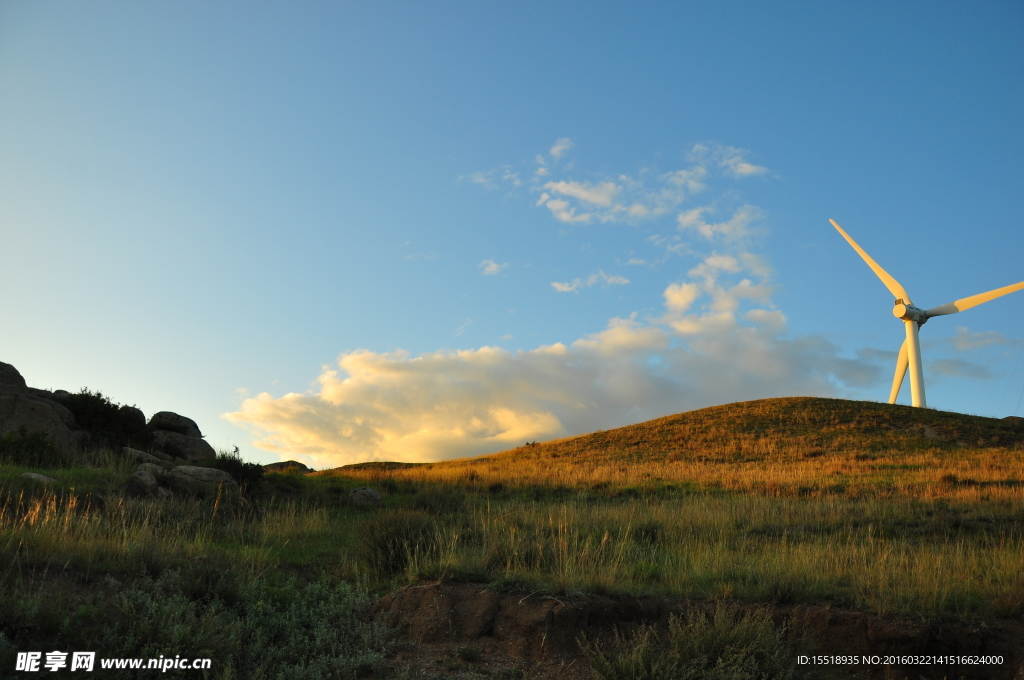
column 778, row 447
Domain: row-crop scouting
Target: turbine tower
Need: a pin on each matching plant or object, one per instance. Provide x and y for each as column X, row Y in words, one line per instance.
column 913, row 318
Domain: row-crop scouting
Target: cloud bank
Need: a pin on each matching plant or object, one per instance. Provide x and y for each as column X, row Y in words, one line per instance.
column 718, row 340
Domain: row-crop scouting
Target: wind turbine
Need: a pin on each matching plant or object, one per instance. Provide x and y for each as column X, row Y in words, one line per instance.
column 915, row 317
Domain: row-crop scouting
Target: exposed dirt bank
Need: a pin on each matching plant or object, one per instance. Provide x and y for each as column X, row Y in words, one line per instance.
column 538, row 634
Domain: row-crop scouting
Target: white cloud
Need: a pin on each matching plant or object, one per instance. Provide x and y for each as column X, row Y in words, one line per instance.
column 596, row 194
column 600, row 277
column 736, row 227
column 649, row 195
column 562, row 145
column 964, row 340
column 484, row 179
column 491, row 268
column 447, row 404
column 566, row 213
column 730, row 159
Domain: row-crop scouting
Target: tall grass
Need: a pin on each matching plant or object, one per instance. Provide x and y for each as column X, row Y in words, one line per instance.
column 725, row 645
column 141, row 578
column 909, row 557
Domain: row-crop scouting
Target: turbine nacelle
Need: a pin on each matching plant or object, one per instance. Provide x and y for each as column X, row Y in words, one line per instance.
column 908, row 312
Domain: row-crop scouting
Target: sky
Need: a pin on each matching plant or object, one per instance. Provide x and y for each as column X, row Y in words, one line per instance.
column 340, row 232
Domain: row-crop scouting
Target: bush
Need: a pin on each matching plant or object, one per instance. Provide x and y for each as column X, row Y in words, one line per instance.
column 248, row 475
column 31, row 449
column 107, row 423
column 727, row 645
column 309, row 633
column 387, row 543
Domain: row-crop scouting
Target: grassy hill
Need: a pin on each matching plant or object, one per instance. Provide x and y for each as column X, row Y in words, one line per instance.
column 797, row 445
column 885, row 509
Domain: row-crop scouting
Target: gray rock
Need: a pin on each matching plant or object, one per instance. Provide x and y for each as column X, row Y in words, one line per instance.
column 199, row 481
column 141, row 483
column 364, row 497
column 152, row 469
column 163, row 493
column 133, row 414
column 172, row 422
column 143, row 457
column 202, row 475
column 65, row 414
column 182, row 446
column 36, row 477
column 11, row 381
column 42, row 394
column 61, row 394
column 36, row 415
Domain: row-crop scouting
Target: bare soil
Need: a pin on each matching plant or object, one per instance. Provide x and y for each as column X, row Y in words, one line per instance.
column 457, row 630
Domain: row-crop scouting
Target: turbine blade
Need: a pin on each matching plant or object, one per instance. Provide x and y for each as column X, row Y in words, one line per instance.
column 973, row 301
column 892, row 284
column 902, row 361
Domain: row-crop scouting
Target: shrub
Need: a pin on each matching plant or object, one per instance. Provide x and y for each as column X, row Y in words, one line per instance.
column 108, row 424
column 386, row 543
column 727, row 645
column 31, row 449
column 248, row 475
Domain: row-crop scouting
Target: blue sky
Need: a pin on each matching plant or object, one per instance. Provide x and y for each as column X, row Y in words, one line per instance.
column 341, row 232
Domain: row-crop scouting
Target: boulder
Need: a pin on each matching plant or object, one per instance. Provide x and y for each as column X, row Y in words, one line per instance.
column 21, row 407
column 133, row 416
column 183, row 446
column 152, row 469
column 63, row 412
column 36, row 477
column 172, row 422
column 143, row 457
column 141, row 483
column 199, row 481
column 364, row 497
column 11, row 381
column 36, row 415
column 202, row 474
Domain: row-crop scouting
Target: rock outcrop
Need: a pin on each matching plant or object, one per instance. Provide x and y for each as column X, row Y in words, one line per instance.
column 21, row 409
column 179, row 436
column 161, row 459
column 176, row 439
column 183, row 446
column 172, row 422
column 204, row 482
